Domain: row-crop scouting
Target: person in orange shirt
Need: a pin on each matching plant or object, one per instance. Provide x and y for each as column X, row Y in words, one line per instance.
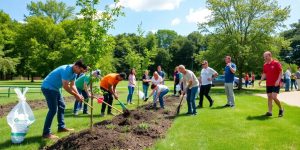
column 108, row 86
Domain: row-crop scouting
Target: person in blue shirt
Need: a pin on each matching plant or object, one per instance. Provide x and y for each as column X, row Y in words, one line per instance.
column 161, row 73
column 63, row 76
column 230, row 70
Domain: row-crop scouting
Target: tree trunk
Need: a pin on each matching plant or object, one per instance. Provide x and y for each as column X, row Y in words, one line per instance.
column 32, row 78
column 92, row 97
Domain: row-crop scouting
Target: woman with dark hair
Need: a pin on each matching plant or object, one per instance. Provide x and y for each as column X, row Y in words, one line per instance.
column 131, row 85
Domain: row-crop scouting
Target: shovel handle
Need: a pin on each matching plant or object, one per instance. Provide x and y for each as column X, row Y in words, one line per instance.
column 87, row 104
column 110, row 106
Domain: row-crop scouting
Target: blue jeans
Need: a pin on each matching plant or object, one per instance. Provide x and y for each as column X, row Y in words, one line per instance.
column 55, row 104
column 287, row 84
column 190, row 98
column 145, row 90
column 78, row 105
column 130, row 93
column 160, row 98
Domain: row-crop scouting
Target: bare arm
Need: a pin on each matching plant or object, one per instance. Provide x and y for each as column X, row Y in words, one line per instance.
column 86, row 89
column 277, row 83
column 71, row 88
column 263, row 76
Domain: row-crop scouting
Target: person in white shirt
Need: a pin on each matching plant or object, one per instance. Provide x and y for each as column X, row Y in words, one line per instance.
column 156, row 79
column 161, row 91
column 287, row 76
column 190, row 88
column 206, row 77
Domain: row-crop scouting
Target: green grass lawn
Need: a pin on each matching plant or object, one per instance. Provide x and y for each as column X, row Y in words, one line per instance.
column 240, row 128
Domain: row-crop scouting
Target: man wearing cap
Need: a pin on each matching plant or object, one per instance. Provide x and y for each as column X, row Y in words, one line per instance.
column 108, row 86
column 82, row 85
column 63, row 76
column 206, row 76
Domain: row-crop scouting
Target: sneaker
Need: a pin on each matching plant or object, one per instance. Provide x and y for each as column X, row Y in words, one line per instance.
column 211, row 104
column 227, row 105
column 65, row 130
column 50, row 136
column 231, row 106
column 268, row 114
column 102, row 115
column 132, row 103
column 280, row 113
column 195, row 113
column 76, row 114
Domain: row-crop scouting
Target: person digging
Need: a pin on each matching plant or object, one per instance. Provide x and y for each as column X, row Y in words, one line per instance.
column 82, row 85
column 108, row 86
column 161, row 91
column 63, row 76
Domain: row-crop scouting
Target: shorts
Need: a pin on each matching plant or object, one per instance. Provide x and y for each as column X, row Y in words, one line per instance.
column 273, row 89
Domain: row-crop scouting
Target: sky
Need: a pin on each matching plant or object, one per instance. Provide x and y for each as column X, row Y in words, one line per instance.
column 179, row 15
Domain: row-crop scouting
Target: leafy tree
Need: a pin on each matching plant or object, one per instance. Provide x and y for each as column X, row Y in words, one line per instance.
column 39, row 45
column 292, row 55
column 93, row 40
column 58, row 11
column 165, row 38
column 243, row 30
column 8, row 60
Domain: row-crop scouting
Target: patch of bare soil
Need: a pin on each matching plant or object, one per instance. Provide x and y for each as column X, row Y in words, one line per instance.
column 139, row 130
column 34, row 105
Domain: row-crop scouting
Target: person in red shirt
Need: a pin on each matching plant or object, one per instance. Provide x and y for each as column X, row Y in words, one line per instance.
column 246, row 80
column 272, row 72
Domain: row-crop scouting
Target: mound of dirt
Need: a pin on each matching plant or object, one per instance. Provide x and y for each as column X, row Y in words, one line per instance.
column 139, row 130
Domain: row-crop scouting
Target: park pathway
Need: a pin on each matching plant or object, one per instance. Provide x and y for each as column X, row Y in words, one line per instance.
column 290, row 98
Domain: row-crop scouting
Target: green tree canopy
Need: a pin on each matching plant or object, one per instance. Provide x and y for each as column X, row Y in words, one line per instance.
column 243, row 29
column 58, row 11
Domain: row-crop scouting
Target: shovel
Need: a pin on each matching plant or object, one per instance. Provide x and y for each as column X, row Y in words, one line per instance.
column 125, row 110
column 178, row 107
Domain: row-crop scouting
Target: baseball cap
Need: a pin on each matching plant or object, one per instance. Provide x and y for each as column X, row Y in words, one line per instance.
column 97, row 72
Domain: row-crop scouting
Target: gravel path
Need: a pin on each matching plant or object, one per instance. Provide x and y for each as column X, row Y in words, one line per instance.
column 290, row 98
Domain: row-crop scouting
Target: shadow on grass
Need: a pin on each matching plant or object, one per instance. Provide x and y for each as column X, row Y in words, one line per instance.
column 260, row 117
column 28, row 141
column 220, row 90
column 219, row 107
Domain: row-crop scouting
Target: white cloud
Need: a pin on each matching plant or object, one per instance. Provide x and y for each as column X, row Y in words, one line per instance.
column 200, row 15
column 150, row 5
column 22, row 22
column 175, row 21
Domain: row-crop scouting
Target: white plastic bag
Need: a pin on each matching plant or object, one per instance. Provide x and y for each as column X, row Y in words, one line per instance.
column 20, row 118
column 141, row 95
column 178, row 88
